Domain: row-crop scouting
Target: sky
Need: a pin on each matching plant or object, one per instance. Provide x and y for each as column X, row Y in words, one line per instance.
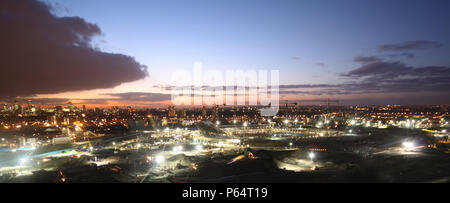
column 357, row 51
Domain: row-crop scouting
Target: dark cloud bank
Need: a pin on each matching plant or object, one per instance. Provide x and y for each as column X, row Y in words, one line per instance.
column 41, row 53
column 410, row 45
column 419, row 85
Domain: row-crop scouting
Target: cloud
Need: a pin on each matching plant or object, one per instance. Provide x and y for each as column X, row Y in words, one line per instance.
column 45, row 54
column 368, row 59
column 305, row 86
column 398, row 77
column 410, row 45
column 383, row 78
column 139, row 96
column 406, row 55
column 125, row 98
column 378, row 68
column 39, row 101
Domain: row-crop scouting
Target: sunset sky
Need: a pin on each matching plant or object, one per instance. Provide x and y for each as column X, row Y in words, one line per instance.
column 117, row 52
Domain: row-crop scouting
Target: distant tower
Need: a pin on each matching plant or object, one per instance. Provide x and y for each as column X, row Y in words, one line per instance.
column 203, row 112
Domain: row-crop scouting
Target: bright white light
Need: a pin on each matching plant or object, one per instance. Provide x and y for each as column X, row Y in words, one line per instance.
column 290, row 143
column 159, row 159
column 220, row 144
column 237, row 141
column 321, row 134
column 350, row 131
column 270, row 120
column 114, row 143
column 444, row 131
column 245, row 124
column 217, row 122
column 234, row 121
column 353, row 122
column 23, row 161
column 311, row 155
column 408, row 145
column 199, row 147
column 286, row 121
column 296, row 120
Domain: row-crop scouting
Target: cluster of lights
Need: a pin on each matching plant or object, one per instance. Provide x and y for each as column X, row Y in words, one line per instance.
column 236, row 141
